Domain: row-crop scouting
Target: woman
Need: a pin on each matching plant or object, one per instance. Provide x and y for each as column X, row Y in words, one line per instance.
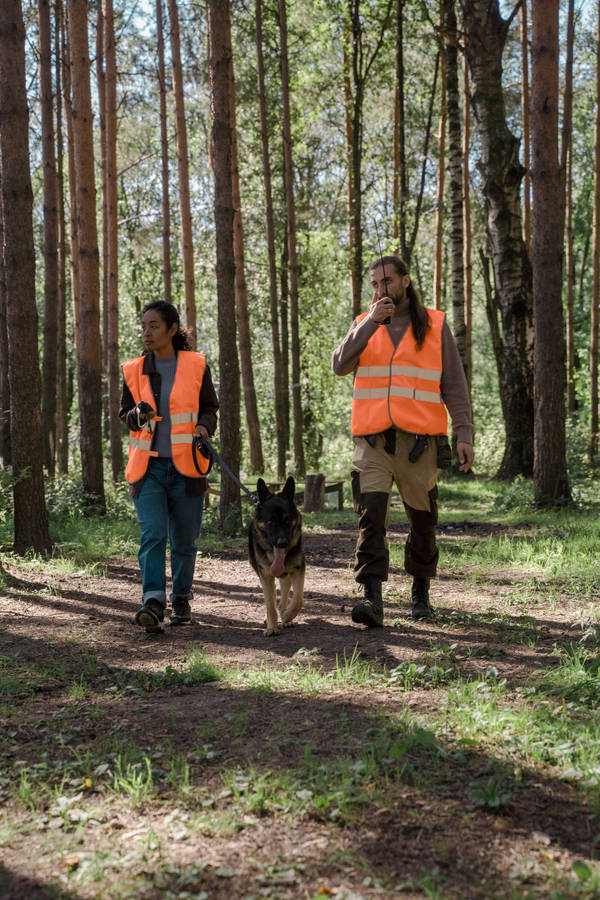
column 168, row 398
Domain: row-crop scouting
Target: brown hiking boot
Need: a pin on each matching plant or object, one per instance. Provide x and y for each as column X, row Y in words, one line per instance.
column 369, row 611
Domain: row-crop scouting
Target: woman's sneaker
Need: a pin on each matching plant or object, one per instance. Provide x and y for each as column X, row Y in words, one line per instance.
column 150, row 616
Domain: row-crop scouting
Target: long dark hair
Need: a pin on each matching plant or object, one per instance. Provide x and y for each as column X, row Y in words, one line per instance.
column 169, row 314
column 419, row 317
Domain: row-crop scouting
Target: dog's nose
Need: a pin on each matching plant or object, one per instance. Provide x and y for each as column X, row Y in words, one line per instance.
column 281, row 542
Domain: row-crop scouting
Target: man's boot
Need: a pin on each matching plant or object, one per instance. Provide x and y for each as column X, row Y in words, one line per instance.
column 369, row 611
column 420, row 598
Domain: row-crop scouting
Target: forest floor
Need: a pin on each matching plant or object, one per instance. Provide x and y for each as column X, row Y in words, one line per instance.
column 214, row 762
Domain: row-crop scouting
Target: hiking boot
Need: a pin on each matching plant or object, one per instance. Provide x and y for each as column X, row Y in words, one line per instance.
column 369, row 611
column 150, row 616
column 182, row 611
column 420, row 599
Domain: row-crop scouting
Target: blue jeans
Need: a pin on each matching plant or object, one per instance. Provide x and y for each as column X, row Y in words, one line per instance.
column 165, row 510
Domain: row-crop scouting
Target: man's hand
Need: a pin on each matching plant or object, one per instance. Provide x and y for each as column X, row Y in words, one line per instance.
column 465, row 455
column 201, row 431
column 381, row 308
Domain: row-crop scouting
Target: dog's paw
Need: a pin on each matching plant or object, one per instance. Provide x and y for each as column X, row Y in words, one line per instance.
column 288, row 624
column 269, row 632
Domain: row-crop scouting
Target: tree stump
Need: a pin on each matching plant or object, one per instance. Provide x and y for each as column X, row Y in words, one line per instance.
column 314, row 493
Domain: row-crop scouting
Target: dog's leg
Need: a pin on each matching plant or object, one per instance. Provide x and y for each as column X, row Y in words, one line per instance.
column 297, row 600
column 268, row 586
column 285, row 583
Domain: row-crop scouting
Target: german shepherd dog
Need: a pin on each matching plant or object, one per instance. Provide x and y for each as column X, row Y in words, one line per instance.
column 275, row 549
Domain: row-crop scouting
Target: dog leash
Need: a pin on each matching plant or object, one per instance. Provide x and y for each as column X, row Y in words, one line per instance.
column 202, row 443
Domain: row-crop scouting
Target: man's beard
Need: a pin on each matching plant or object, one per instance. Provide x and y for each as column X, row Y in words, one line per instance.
column 398, row 299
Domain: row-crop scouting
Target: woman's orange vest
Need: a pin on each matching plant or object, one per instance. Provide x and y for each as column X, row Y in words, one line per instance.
column 400, row 388
column 183, row 406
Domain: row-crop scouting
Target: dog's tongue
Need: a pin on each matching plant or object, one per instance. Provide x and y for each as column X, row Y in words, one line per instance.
column 278, row 564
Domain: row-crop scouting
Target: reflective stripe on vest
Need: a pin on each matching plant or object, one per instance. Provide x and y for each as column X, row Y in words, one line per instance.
column 400, row 387
column 183, row 406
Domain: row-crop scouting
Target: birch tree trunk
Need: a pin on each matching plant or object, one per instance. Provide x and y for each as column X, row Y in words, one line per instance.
column 400, row 173
column 229, row 372
column 455, row 181
column 187, row 243
column 438, row 264
column 89, row 363
column 525, row 102
column 501, row 172
column 468, row 251
column 280, row 386
column 593, row 445
column 50, row 237
column 550, row 466
column 30, row 519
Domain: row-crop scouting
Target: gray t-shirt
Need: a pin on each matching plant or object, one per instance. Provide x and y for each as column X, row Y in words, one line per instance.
column 166, row 368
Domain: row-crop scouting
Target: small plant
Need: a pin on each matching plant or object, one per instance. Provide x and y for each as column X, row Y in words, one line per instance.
column 491, row 794
column 133, row 779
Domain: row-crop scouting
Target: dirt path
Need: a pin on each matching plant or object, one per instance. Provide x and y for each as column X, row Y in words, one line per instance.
column 417, row 835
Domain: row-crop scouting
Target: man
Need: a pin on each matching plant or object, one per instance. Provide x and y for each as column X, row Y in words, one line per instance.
column 407, row 370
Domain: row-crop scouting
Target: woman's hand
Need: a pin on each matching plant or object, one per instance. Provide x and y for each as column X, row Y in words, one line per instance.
column 201, row 431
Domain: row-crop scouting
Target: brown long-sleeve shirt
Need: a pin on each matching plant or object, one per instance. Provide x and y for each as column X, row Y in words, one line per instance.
column 454, row 389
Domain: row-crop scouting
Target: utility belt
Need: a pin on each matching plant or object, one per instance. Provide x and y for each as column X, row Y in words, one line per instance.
column 444, row 451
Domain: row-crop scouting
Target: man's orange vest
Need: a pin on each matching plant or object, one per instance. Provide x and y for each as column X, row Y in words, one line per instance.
column 400, row 388
column 183, row 406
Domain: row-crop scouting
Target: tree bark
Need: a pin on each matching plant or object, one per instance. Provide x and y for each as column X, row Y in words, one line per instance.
column 5, row 450
column 455, row 182
column 438, row 264
column 314, row 493
column 187, row 243
column 50, row 238
column 501, row 171
column 593, row 445
column 292, row 250
column 241, row 293
column 566, row 166
column 229, row 371
column 280, row 381
column 27, row 445
column 468, row 239
column 62, row 406
column 164, row 156
column 525, row 103
column 89, row 361
column 400, row 173
column 550, row 466
column 112, row 235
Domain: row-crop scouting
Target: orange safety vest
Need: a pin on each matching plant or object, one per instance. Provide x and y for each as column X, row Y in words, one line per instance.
column 400, row 387
column 183, row 406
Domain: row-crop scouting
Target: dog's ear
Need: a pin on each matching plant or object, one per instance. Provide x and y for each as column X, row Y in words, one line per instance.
column 289, row 490
column 262, row 490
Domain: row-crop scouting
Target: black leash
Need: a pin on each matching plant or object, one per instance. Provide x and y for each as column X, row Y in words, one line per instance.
column 207, row 450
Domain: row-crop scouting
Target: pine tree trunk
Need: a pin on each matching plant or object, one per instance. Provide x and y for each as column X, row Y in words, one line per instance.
column 164, row 157
column 50, row 238
column 27, row 445
column 189, row 279
column 280, row 382
column 5, row 451
column 501, row 172
column 566, row 166
column 229, row 372
column 89, row 361
column 62, row 408
column 241, row 293
column 73, row 235
column 400, row 172
column 112, row 235
column 291, row 234
column 550, row 466
column 101, row 86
